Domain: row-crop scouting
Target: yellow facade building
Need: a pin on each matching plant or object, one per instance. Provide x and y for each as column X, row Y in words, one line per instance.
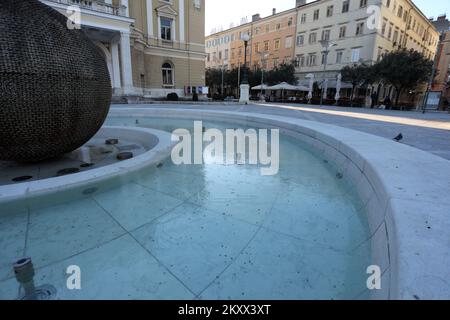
column 152, row 47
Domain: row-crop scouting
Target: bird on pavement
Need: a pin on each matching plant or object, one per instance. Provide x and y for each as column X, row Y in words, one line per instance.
column 399, row 138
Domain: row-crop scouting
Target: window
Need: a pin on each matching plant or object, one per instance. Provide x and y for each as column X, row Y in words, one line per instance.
column 395, row 38
column 278, row 26
column 330, row 11
column 360, row 28
column 300, row 40
column 362, row 3
column 300, row 60
column 312, row 37
column 166, row 29
column 342, row 31
column 257, row 30
column 267, row 28
column 339, row 55
column 275, row 62
column 311, row 60
column 400, row 11
column 380, row 53
column 391, row 26
column 288, row 42
column 316, row 14
column 383, row 28
column 226, row 54
column 257, row 47
column 277, row 44
column 232, row 54
column 326, row 35
column 324, row 58
column 388, row 3
column 220, row 55
column 290, row 22
column 266, row 46
column 208, row 57
column 167, row 74
column 356, row 54
column 303, row 18
column 345, row 6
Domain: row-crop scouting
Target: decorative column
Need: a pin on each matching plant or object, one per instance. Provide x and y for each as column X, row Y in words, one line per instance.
column 125, row 57
column 181, row 15
column 125, row 4
column 117, row 83
column 150, row 18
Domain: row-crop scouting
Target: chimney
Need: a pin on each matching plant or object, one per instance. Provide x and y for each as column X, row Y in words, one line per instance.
column 256, row 17
column 274, row 11
column 299, row 3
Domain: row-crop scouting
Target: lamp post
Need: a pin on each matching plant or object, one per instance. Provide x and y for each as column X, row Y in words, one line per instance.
column 264, row 56
column 326, row 45
column 245, row 88
column 224, row 63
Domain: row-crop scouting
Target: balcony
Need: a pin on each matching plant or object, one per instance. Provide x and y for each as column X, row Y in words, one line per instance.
column 98, row 6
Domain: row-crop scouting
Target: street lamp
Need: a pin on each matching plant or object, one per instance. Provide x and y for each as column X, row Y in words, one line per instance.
column 245, row 88
column 264, row 56
column 224, row 64
column 326, row 45
column 245, row 38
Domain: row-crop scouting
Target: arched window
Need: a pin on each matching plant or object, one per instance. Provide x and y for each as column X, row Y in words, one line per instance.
column 168, row 74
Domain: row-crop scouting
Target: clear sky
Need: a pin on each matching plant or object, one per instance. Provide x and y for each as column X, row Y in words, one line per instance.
column 223, row 12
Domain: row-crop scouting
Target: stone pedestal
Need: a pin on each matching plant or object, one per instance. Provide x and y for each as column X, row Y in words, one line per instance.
column 245, row 94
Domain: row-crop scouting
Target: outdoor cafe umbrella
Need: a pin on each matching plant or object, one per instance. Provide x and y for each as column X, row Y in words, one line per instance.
column 261, row 87
column 310, row 76
column 284, row 86
column 338, row 87
column 288, row 87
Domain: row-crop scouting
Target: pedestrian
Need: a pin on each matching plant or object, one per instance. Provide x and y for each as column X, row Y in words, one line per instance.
column 374, row 98
column 387, row 103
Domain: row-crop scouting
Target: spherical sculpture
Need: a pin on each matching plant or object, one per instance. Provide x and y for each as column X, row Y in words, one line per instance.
column 55, row 89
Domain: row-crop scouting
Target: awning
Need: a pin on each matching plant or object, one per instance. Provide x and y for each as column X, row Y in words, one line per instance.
column 288, row 87
column 261, row 87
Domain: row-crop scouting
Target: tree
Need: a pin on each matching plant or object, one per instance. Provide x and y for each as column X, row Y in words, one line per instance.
column 358, row 75
column 282, row 73
column 213, row 78
column 404, row 70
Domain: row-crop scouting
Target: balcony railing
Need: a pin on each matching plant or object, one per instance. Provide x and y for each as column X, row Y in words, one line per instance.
column 93, row 5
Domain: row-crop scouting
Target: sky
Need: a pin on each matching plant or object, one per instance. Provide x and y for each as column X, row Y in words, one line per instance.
column 223, row 13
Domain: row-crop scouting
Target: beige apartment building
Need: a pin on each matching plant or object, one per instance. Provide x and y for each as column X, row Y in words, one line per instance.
column 152, row 47
column 354, row 31
column 272, row 41
column 358, row 31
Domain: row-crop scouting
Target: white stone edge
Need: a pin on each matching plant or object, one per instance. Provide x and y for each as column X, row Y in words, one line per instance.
column 398, row 185
column 158, row 143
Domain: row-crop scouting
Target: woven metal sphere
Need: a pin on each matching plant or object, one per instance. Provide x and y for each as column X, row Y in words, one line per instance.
column 55, row 89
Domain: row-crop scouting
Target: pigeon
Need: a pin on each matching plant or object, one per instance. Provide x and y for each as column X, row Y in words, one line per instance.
column 398, row 138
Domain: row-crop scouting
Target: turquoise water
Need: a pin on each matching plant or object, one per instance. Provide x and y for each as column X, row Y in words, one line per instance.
column 198, row 231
